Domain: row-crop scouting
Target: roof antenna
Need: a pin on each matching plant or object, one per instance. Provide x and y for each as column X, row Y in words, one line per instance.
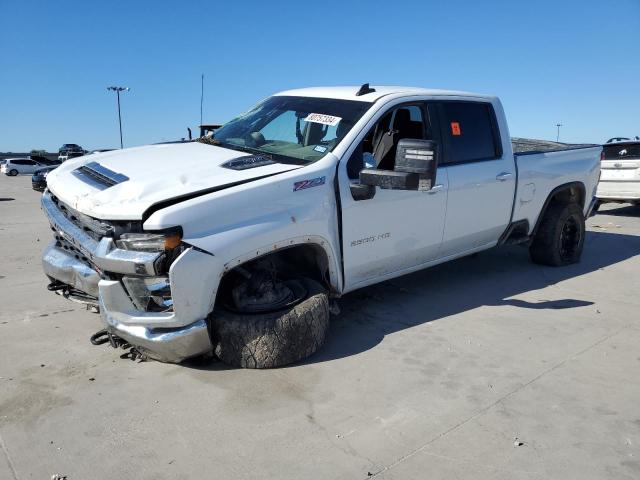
column 364, row 89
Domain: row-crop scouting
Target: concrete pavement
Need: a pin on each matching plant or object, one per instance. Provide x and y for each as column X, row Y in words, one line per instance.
column 488, row 367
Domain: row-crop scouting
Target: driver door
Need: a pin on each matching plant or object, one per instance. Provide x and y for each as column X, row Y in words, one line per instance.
column 396, row 230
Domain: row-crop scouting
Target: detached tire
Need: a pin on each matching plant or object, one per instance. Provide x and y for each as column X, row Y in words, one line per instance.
column 272, row 339
column 560, row 237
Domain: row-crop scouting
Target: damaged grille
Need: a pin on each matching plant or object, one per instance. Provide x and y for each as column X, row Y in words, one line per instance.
column 93, row 227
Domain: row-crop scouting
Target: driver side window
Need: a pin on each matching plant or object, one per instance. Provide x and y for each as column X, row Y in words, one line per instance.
column 378, row 148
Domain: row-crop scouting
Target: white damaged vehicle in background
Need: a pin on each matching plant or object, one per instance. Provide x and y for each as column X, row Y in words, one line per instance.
column 234, row 245
column 620, row 177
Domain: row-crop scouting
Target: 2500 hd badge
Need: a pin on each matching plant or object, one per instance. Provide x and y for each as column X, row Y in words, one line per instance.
column 372, row 238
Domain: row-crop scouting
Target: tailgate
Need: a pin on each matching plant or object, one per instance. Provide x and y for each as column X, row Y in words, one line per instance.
column 620, row 170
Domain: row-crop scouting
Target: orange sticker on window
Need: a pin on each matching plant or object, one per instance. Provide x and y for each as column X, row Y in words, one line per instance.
column 455, row 129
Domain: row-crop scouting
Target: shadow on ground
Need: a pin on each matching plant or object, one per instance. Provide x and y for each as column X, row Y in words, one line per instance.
column 624, row 210
column 489, row 278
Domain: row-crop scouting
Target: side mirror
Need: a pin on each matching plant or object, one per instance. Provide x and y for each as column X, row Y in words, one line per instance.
column 415, row 168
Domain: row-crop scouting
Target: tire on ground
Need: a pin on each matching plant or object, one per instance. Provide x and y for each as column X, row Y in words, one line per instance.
column 546, row 246
column 273, row 339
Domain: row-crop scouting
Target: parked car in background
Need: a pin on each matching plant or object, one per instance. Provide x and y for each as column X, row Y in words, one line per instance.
column 70, row 150
column 620, row 171
column 39, row 178
column 19, row 166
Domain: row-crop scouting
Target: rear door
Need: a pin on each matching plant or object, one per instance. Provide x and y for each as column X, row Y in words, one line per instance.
column 29, row 166
column 481, row 176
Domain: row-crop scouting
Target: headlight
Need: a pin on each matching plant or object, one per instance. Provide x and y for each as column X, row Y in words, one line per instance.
column 150, row 293
column 149, row 242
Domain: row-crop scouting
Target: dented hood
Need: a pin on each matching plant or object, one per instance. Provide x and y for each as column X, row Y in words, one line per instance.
column 143, row 176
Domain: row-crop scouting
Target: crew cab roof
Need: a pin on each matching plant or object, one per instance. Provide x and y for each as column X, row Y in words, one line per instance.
column 349, row 92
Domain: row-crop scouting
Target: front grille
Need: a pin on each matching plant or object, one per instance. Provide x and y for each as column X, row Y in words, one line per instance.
column 73, row 250
column 93, row 227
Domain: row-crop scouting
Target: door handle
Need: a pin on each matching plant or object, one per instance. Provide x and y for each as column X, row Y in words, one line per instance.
column 503, row 176
column 435, row 189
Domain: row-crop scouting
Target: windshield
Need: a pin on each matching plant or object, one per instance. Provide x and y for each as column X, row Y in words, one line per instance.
column 298, row 129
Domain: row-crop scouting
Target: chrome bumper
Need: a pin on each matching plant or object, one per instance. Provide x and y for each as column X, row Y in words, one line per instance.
column 102, row 254
column 63, row 266
column 78, row 260
column 171, row 345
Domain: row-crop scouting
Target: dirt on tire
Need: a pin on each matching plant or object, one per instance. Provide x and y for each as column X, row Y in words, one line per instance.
column 545, row 248
column 272, row 339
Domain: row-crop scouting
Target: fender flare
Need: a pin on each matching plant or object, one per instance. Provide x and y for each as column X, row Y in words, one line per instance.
column 565, row 186
column 335, row 276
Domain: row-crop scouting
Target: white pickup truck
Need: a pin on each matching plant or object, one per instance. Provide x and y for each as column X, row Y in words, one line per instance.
column 234, row 245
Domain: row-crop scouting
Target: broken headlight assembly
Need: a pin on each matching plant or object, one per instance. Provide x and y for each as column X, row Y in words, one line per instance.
column 149, row 242
column 152, row 293
column 149, row 293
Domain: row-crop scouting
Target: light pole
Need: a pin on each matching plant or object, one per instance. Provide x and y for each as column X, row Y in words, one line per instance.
column 558, row 136
column 118, row 90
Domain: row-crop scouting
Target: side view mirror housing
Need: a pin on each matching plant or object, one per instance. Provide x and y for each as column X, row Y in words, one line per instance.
column 415, row 167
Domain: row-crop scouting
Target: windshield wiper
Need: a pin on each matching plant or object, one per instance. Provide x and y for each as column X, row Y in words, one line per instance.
column 276, row 157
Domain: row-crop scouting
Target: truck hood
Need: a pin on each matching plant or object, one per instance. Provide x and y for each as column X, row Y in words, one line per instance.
column 149, row 175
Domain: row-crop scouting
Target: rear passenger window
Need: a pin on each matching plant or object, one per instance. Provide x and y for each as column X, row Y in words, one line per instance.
column 469, row 131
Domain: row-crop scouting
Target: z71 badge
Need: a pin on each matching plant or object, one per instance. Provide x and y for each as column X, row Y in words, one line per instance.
column 314, row 182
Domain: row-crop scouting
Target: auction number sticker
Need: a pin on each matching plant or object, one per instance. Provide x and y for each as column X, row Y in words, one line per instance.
column 323, row 119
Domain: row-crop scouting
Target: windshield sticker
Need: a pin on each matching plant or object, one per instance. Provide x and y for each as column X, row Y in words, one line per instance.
column 303, row 184
column 320, row 148
column 323, row 119
column 455, row 129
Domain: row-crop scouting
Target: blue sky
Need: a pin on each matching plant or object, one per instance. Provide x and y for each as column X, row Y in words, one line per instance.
column 570, row 61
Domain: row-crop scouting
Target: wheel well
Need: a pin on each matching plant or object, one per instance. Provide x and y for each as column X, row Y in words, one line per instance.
column 571, row 193
column 306, row 260
column 564, row 194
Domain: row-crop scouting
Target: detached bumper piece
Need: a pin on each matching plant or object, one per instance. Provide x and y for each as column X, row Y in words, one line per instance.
column 171, row 345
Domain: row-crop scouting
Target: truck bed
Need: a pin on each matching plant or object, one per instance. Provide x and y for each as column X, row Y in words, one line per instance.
column 524, row 146
column 541, row 171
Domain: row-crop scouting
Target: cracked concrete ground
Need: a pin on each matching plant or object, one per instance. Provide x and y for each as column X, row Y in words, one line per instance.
column 487, row 367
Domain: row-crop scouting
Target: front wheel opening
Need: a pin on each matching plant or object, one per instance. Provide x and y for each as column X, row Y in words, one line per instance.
column 264, row 292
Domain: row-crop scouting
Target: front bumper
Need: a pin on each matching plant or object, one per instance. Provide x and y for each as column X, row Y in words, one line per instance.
column 78, row 261
column 171, row 345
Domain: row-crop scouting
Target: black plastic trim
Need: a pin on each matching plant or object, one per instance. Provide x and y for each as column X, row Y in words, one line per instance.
column 336, row 187
column 552, row 194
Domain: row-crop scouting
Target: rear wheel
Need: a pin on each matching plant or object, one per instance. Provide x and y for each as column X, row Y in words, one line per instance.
column 560, row 237
column 13, row 172
column 270, row 323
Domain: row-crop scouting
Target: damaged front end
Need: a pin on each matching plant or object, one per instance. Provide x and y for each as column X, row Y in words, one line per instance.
column 126, row 273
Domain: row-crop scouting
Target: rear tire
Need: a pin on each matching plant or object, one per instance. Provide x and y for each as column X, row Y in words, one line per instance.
column 560, row 237
column 13, row 172
column 274, row 339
